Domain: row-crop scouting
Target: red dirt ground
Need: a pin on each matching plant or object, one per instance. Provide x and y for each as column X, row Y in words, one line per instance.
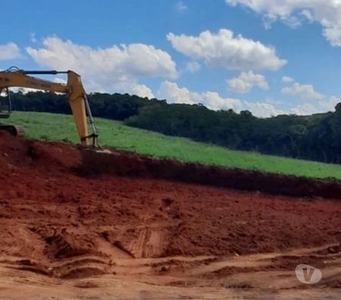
column 49, row 211
column 129, row 164
column 196, row 220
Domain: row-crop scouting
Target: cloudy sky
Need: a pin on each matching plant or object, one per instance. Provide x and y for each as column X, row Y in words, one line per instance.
column 266, row 56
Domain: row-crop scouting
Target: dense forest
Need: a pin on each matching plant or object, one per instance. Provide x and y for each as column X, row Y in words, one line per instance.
column 316, row 137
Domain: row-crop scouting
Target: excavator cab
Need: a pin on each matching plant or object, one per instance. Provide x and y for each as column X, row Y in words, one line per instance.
column 5, row 104
column 5, row 112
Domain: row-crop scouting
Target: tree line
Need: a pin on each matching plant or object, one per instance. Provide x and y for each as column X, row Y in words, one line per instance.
column 316, row 137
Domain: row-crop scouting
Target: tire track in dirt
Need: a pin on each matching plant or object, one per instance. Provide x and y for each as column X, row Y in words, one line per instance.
column 249, row 274
column 57, row 223
column 150, row 243
column 112, row 251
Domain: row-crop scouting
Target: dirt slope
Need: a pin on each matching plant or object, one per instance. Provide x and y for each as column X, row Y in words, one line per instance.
column 66, row 227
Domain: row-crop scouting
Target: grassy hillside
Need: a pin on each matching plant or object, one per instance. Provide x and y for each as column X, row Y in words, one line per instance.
column 113, row 133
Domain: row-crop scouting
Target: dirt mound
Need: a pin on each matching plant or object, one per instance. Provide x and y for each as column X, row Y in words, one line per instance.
column 129, row 164
column 49, row 212
column 17, row 152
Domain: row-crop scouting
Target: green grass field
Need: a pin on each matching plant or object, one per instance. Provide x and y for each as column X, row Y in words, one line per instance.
column 56, row 127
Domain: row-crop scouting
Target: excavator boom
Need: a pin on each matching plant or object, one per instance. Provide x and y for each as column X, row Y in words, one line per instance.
column 73, row 89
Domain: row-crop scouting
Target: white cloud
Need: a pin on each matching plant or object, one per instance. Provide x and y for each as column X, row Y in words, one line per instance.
column 212, row 100
column 193, row 66
column 304, row 109
column 262, row 109
column 325, row 12
column 287, row 79
column 175, row 94
column 305, row 91
column 321, row 106
column 9, row 51
column 226, row 50
column 25, row 90
column 246, row 81
column 180, row 6
column 59, row 80
column 33, row 38
column 329, row 105
column 117, row 68
column 137, row 89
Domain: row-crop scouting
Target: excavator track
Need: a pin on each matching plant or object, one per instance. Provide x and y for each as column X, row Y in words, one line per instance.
column 12, row 129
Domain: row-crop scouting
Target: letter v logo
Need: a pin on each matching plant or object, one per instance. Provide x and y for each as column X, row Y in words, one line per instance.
column 308, row 274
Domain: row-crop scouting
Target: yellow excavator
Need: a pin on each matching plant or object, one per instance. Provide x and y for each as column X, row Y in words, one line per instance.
column 73, row 89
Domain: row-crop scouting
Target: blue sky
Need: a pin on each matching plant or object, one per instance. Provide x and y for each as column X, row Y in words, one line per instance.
column 269, row 57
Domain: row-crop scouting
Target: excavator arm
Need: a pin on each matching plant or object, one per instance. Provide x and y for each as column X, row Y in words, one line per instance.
column 73, row 89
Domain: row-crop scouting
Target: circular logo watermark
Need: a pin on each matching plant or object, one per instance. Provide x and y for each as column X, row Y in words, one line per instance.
column 308, row 274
